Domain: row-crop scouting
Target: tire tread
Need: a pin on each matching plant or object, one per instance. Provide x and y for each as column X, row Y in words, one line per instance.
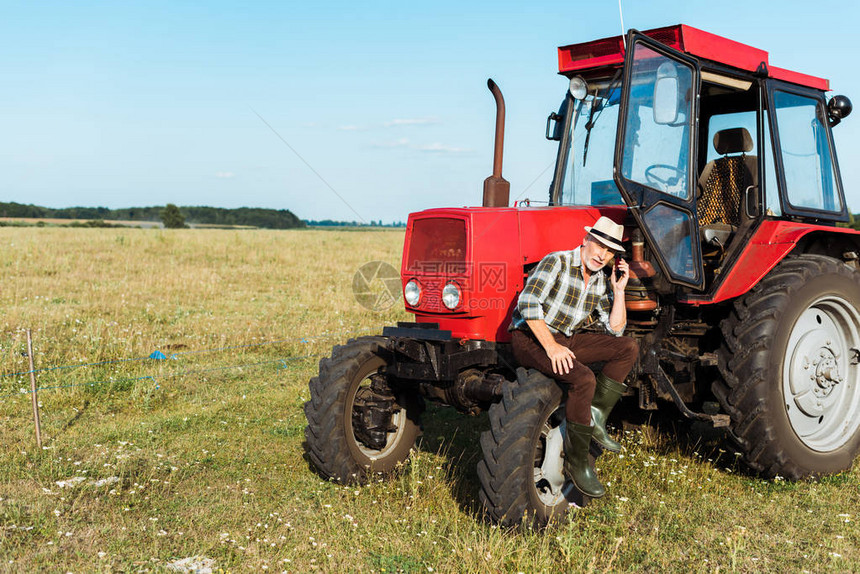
column 745, row 361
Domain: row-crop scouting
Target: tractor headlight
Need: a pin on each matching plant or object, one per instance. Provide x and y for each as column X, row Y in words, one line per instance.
column 451, row 295
column 578, row 88
column 412, row 292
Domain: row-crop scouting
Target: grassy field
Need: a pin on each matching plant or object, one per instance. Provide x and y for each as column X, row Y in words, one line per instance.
column 196, row 461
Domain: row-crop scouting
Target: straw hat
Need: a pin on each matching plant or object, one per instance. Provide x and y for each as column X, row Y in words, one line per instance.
column 607, row 232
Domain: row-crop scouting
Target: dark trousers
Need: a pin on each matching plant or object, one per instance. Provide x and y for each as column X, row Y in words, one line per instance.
column 619, row 354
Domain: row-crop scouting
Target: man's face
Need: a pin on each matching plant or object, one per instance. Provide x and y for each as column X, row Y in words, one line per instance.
column 595, row 255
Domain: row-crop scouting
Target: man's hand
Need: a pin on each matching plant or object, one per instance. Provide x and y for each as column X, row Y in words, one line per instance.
column 561, row 358
column 618, row 314
column 619, row 283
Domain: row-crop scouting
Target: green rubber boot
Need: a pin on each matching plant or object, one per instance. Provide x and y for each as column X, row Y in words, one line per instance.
column 576, row 466
column 606, row 394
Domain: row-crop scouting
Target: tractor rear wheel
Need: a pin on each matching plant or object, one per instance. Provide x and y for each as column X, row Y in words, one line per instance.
column 521, row 473
column 358, row 425
column 789, row 360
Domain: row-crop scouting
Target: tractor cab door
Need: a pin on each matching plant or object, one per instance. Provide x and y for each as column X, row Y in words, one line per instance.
column 655, row 154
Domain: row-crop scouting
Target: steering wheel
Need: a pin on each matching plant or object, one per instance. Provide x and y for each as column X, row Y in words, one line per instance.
column 675, row 174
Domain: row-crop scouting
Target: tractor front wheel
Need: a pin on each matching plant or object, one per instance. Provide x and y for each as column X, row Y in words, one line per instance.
column 358, row 425
column 789, row 360
column 521, row 475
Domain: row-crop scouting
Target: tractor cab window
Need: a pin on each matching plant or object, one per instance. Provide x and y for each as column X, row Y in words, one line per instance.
column 768, row 181
column 771, row 183
column 737, row 181
column 721, row 122
column 728, row 182
column 654, row 158
column 657, row 142
column 731, row 169
column 587, row 177
column 810, row 181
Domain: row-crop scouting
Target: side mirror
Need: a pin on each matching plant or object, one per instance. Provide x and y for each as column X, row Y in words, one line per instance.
column 838, row 108
column 666, row 94
column 554, row 125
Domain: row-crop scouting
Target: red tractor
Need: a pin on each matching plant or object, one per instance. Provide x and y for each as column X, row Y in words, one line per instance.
column 744, row 292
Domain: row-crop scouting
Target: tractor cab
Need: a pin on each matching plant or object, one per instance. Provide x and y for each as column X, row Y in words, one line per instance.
column 703, row 140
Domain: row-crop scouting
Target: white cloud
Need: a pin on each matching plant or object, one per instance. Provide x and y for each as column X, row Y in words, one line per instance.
column 388, row 124
column 411, row 122
column 402, row 142
column 441, row 148
column 431, row 148
column 224, row 174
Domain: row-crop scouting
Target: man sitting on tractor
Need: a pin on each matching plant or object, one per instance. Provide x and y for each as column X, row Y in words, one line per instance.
column 566, row 292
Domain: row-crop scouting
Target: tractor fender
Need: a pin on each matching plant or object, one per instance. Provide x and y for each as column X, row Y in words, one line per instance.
column 770, row 244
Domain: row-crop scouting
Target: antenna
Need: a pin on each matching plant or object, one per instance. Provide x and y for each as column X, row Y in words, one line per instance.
column 623, row 29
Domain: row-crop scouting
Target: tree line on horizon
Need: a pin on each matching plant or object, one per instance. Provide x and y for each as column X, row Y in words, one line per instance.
column 246, row 216
column 250, row 216
column 332, row 223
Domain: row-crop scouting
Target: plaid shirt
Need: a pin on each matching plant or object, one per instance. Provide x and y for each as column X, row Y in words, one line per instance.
column 556, row 293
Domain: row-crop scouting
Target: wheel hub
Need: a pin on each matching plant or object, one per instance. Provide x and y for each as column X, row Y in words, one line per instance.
column 373, row 414
column 549, row 476
column 826, row 373
column 814, row 384
column 550, row 484
column 820, row 373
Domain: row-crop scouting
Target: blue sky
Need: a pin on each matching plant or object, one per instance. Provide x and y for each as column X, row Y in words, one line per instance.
column 124, row 104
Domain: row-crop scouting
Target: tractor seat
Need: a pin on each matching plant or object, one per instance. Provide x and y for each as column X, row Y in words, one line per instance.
column 722, row 185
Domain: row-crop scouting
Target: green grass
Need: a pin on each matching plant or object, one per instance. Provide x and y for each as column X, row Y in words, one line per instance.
column 205, row 459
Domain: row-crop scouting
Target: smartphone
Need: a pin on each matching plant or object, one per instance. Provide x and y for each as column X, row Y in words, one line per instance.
column 618, row 273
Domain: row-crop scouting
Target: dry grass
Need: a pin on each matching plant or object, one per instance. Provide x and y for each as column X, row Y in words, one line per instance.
column 209, row 464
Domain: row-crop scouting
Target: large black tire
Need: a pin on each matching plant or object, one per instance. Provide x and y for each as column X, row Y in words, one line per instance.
column 791, row 383
column 521, row 473
column 331, row 443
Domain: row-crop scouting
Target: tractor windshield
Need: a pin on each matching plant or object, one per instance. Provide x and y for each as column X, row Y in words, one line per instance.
column 590, row 146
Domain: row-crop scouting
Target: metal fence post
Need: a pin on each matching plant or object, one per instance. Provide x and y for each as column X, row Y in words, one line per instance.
column 33, row 391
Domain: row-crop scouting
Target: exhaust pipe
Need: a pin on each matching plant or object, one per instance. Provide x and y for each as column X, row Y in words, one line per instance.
column 497, row 190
